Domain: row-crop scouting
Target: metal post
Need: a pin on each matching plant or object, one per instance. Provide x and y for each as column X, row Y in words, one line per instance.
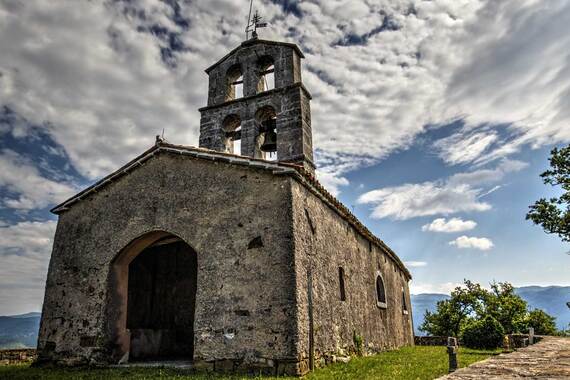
column 452, row 352
column 531, row 335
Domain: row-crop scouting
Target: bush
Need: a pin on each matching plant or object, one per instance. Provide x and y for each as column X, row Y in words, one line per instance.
column 483, row 333
column 542, row 323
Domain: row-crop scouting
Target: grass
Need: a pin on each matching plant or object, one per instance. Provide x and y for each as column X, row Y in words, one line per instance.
column 406, row 363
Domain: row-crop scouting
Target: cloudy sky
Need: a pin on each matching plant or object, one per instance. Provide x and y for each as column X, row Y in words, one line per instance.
column 432, row 119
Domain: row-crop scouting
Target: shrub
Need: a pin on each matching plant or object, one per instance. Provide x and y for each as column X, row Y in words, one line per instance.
column 542, row 323
column 483, row 333
column 358, row 343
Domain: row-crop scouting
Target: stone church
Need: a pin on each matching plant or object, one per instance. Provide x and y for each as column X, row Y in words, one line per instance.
column 231, row 256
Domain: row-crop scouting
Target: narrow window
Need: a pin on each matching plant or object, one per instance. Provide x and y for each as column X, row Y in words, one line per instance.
column 341, row 284
column 404, row 303
column 380, row 291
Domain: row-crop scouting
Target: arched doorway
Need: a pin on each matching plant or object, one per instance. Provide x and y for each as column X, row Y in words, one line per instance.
column 153, row 298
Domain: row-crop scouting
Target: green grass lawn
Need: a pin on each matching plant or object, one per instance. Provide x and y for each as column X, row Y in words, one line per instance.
column 406, row 363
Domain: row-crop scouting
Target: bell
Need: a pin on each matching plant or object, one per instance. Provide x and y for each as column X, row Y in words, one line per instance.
column 270, row 136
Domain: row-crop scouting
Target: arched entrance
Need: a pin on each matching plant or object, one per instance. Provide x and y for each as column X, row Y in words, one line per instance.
column 153, row 284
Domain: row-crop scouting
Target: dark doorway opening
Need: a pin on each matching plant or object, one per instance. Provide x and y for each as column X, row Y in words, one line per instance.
column 162, row 283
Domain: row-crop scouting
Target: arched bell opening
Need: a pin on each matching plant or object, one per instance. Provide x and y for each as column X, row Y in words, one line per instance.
column 234, row 83
column 266, row 141
column 152, row 299
column 231, row 128
column 266, row 74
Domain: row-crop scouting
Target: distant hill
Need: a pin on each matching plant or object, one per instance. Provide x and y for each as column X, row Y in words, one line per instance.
column 551, row 299
column 421, row 303
column 19, row 331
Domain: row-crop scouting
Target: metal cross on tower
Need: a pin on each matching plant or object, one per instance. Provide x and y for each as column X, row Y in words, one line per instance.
column 253, row 23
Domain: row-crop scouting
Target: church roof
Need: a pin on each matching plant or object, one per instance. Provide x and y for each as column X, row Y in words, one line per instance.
column 277, row 168
column 255, row 41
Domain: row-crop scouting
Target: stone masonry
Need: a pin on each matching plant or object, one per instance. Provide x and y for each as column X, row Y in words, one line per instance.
column 231, row 261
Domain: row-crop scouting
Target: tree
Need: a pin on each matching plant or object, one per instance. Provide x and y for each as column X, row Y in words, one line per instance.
column 472, row 303
column 453, row 314
column 509, row 309
column 483, row 333
column 554, row 214
column 542, row 323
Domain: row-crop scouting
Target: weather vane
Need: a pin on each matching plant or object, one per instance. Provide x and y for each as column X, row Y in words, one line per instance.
column 253, row 23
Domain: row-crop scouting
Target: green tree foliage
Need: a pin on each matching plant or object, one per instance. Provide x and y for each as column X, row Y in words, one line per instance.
column 542, row 323
column 507, row 307
column 483, row 333
column 472, row 303
column 452, row 314
column 554, row 214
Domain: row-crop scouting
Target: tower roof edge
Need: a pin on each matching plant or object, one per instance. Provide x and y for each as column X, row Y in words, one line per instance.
column 255, row 41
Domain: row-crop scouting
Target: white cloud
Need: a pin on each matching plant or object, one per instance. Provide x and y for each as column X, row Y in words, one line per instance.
column 441, row 288
column 415, row 264
column 460, row 149
column 465, row 242
column 32, row 190
column 24, row 251
column 331, row 181
column 461, row 192
column 93, row 75
column 424, row 199
column 449, row 226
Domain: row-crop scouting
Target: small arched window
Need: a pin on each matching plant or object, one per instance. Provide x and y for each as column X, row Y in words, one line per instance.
column 232, row 134
column 380, row 291
column 404, row 303
column 266, row 74
column 234, row 83
column 341, row 284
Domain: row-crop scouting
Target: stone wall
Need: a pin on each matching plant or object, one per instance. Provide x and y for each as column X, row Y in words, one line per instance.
column 238, row 221
column 324, row 242
column 431, row 341
column 16, row 356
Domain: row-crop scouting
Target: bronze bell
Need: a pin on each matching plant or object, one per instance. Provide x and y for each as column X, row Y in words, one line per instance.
column 270, row 136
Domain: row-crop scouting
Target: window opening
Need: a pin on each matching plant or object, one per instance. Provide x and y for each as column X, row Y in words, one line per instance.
column 266, row 74
column 232, row 134
column 380, row 292
column 266, row 141
column 341, row 284
column 404, row 303
column 234, row 83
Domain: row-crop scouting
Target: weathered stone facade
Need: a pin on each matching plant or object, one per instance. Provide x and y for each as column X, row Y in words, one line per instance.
column 234, row 262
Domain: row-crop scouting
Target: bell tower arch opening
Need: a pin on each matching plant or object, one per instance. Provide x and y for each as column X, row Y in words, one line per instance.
column 232, row 139
column 152, row 299
column 234, row 83
column 266, row 142
column 266, row 69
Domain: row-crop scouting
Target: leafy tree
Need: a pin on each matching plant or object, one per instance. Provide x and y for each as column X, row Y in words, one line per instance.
column 554, row 214
column 483, row 333
column 452, row 314
column 507, row 307
column 471, row 303
column 542, row 323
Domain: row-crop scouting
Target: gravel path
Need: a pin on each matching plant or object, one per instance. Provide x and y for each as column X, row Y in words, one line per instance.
column 548, row 359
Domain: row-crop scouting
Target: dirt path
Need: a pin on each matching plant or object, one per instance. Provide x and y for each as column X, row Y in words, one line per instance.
column 549, row 359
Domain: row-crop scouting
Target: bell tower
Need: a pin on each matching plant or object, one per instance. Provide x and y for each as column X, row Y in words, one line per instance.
column 257, row 104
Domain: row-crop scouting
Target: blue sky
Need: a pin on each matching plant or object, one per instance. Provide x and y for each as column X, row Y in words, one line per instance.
column 432, row 120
